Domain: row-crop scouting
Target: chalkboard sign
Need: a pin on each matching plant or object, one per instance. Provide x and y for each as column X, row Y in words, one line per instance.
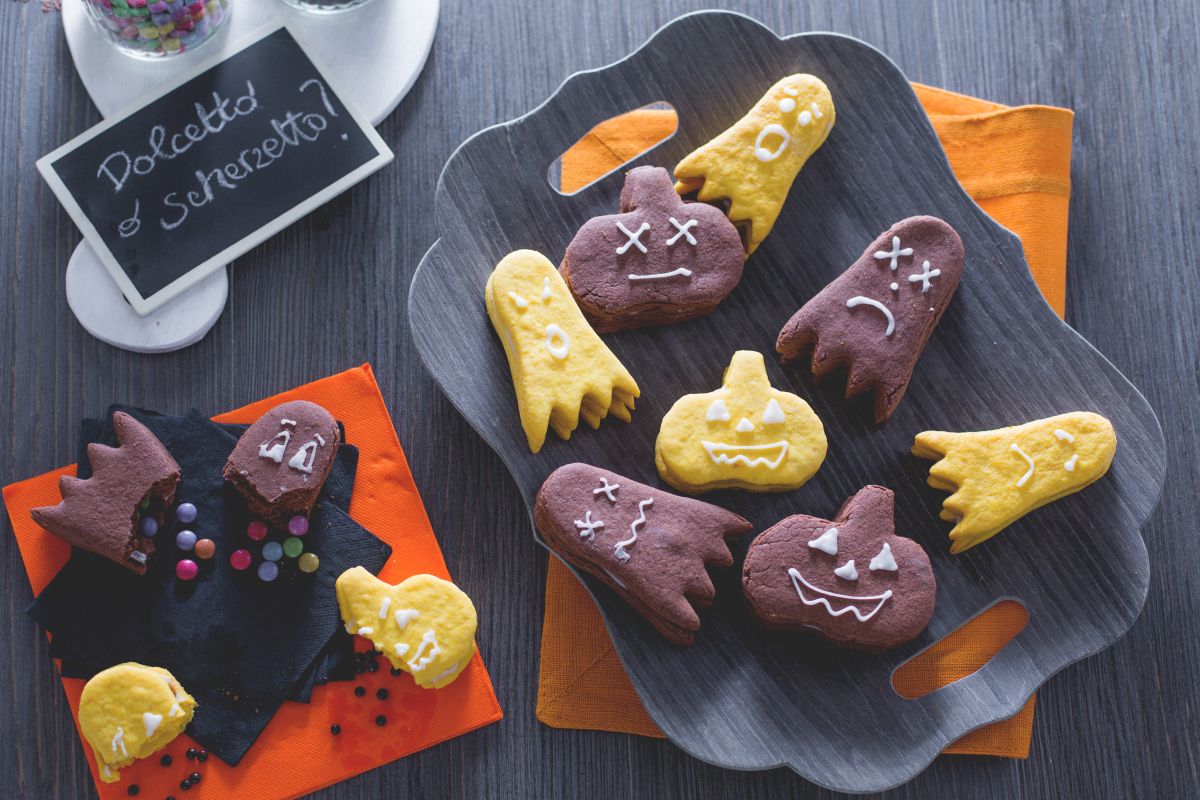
column 211, row 166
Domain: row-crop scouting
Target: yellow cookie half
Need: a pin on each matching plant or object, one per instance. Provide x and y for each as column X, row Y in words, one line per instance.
column 999, row 476
column 131, row 711
column 745, row 435
column 561, row 369
column 424, row 625
column 753, row 163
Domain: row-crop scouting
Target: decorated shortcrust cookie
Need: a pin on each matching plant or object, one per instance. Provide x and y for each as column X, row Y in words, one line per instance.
column 753, row 163
column 879, row 314
column 424, row 625
column 111, row 512
column 997, row 477
column 851, row 578
column 561, row 370
column 659, row 261
column 281, row 462
column 745, row 435
column 648, row 546
column 130, row 711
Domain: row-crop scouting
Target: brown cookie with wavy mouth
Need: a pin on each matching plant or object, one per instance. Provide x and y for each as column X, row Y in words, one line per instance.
column 648, row 546
column 657, row 262
column 102, row 513
column 851, row 579
column 879, row 314
column 281, row 462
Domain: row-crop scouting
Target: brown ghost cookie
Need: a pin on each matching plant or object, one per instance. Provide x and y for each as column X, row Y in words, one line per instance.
column 851, row 579
column 282, row 460
column 659, row 261
column 878, row 315
column 101, row 513
column 648, row 546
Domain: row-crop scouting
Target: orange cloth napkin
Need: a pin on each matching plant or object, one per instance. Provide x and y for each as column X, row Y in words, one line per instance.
column 1015, row 162
column 296, row 753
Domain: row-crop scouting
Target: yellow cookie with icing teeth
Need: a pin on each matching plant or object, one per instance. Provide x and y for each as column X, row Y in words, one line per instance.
column 753, row 163
column 745, row 435
column 131, row 711
column 999, row 476
column 561, row 369
column 424, row 625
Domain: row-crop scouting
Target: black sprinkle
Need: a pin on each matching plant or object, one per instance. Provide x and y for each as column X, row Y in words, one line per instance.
column 381, row 720
column 396, row 672
column 373, row 666
column 382, row 694
column 359, row 691
column 166, row 760
column 191, row 754
column 133, row 790
column 360, row 668
column 335, row 729
column 194, row 777
column 202, row 755
column 185, row 785
column 170, row 797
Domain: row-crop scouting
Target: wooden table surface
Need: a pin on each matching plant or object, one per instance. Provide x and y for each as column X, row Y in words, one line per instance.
column 1123, row 723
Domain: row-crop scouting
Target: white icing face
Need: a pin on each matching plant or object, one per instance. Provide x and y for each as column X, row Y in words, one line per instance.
column 819, row 597
column 717, row 412
column 273, row 449
column 303, row 459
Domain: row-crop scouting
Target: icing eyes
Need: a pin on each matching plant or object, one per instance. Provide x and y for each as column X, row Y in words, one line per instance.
column 884, row 561
column 303, row 459
column 773, row 415
column 826, row 542
column 717, row 412
column 847, row 571
column 274, row 447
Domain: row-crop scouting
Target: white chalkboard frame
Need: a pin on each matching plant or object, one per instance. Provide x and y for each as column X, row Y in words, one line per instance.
column 145, row 305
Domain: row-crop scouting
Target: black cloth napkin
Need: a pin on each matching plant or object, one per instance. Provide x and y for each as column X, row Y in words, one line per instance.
column 238, row 645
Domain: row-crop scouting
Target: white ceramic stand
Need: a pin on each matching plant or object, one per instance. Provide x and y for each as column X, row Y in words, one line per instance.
column 374, row 52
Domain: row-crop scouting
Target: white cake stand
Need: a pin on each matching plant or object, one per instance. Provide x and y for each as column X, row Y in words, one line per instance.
column 374, row 70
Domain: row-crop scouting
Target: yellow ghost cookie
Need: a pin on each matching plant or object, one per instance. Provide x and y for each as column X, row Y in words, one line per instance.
column 424, row 625
column 745, row 435
column 753, row 163
column 560, row 368
column 999, row 476
column 131, row 711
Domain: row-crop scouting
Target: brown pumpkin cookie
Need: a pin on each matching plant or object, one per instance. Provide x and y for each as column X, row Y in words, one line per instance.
column 851, row 579
column 659, row 261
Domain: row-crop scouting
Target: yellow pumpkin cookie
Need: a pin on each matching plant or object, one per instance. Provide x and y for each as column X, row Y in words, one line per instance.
column 753, row 163
column 999, row 476
column 745, row 435
column 424, row 625
column 131, row 711
column 561, row 369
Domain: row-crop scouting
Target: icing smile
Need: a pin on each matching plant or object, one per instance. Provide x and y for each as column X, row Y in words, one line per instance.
column 654, row 276
column 752, row 455
column 877, row 599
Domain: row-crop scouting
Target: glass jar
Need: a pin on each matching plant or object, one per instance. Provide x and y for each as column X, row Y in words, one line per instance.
column 326, row 6
column 157, row 28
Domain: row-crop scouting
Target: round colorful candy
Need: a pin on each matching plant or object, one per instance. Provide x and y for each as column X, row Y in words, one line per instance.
column 145, row 503
column 240, row 559
column 257, row 530
column 148, row 527
column 298, row 525
column 206, row 549
column 309, row 562
column 186, row 569
column 268, row 571
column 272, row 551
column 185, row 540
column 292, row 547
column 186, row 513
